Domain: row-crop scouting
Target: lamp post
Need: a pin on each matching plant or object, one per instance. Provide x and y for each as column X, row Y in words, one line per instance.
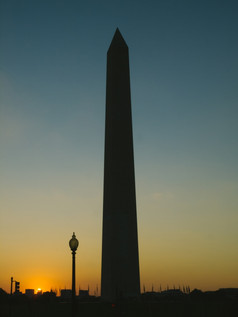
column 73, row 243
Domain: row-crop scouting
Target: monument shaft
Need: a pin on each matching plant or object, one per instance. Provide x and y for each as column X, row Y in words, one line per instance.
column 120, row 260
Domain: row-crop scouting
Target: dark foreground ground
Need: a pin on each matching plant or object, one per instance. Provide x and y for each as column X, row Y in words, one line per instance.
column 162, row 308
column 170, row 303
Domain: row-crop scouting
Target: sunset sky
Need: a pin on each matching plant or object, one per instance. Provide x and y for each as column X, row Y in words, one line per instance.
column 184, row 87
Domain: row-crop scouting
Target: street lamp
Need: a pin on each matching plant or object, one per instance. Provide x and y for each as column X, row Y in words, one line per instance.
column 73, row 243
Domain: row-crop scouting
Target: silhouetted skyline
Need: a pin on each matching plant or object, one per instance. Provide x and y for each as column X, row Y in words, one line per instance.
column 183, row 72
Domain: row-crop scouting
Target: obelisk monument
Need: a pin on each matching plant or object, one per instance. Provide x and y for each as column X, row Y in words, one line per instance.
column 120, row 259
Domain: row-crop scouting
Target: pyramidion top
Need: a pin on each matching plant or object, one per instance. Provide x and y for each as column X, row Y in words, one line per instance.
column 117, row 41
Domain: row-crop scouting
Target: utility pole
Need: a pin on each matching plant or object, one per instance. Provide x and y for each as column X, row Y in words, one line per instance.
column 11, row 284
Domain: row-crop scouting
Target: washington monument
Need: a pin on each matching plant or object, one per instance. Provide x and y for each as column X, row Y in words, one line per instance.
column 120, row 260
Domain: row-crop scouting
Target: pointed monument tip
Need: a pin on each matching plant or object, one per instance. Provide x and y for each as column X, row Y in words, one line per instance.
column 117, row 36
column 117, row 40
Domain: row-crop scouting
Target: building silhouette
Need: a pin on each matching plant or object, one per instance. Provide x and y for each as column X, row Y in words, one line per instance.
column 30, row 292
column 66, row 294
column 120, row 260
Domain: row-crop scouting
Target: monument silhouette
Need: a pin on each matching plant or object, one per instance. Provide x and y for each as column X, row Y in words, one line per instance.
column 120, row 260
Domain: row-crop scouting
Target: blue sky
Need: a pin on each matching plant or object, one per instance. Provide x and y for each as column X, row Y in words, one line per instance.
column 184, row 76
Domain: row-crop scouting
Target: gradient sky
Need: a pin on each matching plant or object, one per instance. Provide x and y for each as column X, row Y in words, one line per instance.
column 184, row 87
